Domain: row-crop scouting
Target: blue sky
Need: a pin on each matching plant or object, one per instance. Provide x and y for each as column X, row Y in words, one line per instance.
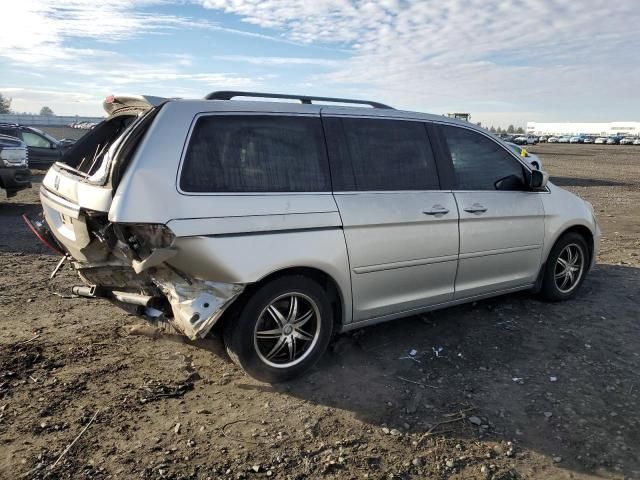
column 503, row 61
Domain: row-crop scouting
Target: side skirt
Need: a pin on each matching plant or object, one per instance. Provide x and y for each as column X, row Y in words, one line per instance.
column 438, row 306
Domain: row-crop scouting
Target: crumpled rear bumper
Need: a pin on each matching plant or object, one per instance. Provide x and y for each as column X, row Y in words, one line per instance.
column 191, row 306
column 198, row 305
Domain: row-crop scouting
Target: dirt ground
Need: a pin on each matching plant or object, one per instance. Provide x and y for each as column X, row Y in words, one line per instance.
column 508, row 388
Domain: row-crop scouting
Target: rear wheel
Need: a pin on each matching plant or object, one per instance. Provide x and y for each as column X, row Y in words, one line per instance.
column 282, row 329
column 566, row 268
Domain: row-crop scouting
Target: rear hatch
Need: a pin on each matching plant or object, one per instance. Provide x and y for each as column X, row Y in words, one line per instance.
column 76, row 192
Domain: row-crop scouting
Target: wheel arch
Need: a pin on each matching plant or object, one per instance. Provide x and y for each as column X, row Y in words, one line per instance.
column 326, row 281
column 583, row 231
column 580, row 229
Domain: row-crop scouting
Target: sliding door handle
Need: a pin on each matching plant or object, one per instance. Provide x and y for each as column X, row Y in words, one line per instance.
column 476, row 208
column 436, row 210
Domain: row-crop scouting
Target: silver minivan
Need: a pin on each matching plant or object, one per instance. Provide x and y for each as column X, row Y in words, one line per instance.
column 281, row 223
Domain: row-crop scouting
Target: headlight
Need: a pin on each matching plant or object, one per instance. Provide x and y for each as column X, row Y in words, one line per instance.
column 13, row 157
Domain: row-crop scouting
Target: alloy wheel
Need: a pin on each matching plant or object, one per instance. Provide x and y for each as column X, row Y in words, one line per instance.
column 287, row 330
column 569, row 267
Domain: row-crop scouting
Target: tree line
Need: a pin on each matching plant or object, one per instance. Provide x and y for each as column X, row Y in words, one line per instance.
column 5, row 107
column 509, row 129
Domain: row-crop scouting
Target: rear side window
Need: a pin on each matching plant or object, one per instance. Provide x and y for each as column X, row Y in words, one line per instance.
column 260, row 153
column 380, row 154
column 479, row 162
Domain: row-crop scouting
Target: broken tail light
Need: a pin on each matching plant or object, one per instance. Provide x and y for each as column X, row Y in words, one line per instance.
column 42, row 232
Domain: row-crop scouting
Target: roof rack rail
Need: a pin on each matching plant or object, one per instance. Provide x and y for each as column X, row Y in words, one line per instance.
column 229, row 94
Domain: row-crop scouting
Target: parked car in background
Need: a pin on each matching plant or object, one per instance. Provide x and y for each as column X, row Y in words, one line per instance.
column 525, row 140
column 533, row 160
column 588, row 140
column 564, row 139
column 600, row 140
column 626, row 141
column 283, row 223
column 576, row 139
column 542, row 139
column 43, row 148
column 14, row 165
column 83, row 125
column 613, row 140
column 636, row 141
column 552, row 140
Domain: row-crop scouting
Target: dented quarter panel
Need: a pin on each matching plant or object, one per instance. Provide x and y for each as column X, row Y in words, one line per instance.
column 249, row 258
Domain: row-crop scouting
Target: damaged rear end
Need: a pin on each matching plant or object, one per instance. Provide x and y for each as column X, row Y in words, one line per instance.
column 128, row 263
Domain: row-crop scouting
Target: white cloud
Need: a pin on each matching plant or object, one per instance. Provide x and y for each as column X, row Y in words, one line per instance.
column 34, row 31
column 492, row 57
column 278, row 61
column 36, row 36
column 464, row 54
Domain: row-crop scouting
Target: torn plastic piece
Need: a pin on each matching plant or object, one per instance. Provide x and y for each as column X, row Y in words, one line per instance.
column 196, row 306
column 158, row 256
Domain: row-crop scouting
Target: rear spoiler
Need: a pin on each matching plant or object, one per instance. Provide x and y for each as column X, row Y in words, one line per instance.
column 130, row 104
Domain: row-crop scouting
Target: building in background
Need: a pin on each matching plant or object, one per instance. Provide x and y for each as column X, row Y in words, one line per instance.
column 600, row 129
column 460, row 116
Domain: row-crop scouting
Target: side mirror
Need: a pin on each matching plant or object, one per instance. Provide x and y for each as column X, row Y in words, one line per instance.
column 539, row 179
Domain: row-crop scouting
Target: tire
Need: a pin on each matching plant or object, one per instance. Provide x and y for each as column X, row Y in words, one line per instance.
column 274, row 342
column 557, row 283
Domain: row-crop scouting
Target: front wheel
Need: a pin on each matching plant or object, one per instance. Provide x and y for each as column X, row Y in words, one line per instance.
column 566, row 268
column 282, row 329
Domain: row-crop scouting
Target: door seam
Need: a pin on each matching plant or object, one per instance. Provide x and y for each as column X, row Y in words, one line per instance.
column 455, row 278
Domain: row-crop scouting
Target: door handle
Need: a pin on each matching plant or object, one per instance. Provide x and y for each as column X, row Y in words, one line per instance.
column 436, row 210
column 476, row 208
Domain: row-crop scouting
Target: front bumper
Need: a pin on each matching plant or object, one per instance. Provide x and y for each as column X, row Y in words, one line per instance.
column 14, row 179
column 596, row 244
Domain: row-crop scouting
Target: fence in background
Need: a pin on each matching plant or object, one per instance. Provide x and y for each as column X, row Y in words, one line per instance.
column 53, row 120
